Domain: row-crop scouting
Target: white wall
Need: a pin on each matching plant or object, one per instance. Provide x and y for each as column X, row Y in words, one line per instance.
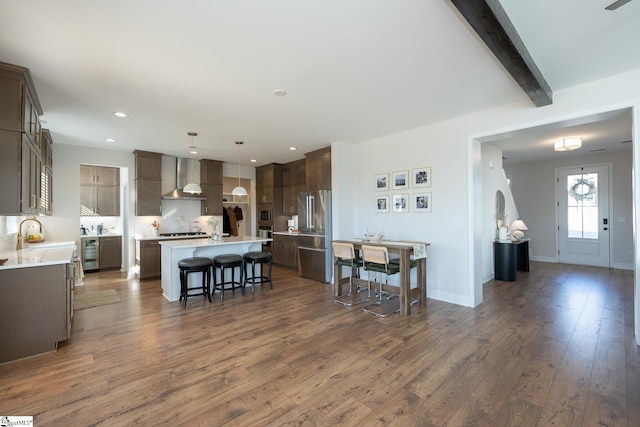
column 445, row 227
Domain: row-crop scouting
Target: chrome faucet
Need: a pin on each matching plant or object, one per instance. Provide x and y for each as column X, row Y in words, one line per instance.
column 19, row 244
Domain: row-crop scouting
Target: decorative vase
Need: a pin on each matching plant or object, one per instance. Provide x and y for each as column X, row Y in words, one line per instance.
column 503, row 233
column 215, row 237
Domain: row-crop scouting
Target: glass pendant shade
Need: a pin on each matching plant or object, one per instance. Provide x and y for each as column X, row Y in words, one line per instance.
column 192, row 188
column 239, row 191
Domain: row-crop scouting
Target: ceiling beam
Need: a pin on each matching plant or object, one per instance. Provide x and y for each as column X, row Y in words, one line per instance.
column 491, row 23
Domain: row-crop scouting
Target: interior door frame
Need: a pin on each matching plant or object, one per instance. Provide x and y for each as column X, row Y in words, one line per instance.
column 557, row 170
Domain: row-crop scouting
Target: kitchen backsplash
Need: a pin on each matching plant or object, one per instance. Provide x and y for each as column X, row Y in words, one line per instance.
column 177, row 216
column 110, row 224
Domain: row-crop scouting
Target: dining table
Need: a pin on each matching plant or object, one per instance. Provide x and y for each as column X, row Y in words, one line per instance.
column 407, row 251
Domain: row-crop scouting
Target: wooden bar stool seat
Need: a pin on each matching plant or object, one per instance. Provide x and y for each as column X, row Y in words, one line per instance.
column 194, row 265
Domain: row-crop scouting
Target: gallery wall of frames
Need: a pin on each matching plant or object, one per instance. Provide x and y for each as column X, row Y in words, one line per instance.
column 404, row 191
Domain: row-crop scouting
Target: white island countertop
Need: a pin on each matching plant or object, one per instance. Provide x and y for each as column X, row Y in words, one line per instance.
column 207, row 242
column 39, row 254
column 175, row 250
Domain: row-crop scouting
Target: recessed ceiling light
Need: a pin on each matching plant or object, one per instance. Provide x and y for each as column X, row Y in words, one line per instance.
column 292, row 148
column 110, row 140
column 253, row 160
column 120, row 114
column 279, row 92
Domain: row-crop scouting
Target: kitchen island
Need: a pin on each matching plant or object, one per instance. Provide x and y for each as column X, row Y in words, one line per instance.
column 36, row 299
column 175, row 250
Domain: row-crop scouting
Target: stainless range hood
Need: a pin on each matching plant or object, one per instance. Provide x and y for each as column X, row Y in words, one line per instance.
column 182, row 165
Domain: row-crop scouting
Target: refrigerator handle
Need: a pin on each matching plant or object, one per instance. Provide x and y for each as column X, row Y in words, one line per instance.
column 311, row 205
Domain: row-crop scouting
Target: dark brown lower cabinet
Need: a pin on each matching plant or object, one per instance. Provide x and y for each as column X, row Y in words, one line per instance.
column 36, row 305
column 110, row 252
column 148, row 258
column 285, row 250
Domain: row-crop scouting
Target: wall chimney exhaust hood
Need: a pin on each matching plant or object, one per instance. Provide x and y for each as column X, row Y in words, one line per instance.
column 181, row 180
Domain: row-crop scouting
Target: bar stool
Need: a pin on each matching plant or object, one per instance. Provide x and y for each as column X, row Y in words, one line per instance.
column 221, row 262
column 345, row 256
column 194, row 265
column 376, row 260
column 253, row 258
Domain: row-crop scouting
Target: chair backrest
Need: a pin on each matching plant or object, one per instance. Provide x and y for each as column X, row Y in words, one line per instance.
column 376, row 254
column 344, row 250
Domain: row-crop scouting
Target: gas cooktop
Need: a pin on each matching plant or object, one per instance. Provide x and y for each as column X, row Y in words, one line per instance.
column 184, row 233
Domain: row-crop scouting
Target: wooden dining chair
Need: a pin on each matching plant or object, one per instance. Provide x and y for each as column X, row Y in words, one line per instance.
column 376, row 261
column 345, row 256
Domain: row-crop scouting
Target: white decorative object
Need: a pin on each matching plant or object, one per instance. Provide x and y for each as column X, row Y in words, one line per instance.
column 516, row 228
column 213, row 222
column 503, row 233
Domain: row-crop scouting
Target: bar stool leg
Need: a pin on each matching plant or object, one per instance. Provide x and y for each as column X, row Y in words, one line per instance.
column 215, row 279
column 222, row 290
column 269, row 276
column 183, row 288
column 253, row 278
column 206, row 289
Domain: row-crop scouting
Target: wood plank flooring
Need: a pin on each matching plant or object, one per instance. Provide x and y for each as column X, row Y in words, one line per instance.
column 554, row 348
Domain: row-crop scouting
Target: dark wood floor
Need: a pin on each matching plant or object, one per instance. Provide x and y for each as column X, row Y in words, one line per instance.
column 554, row 348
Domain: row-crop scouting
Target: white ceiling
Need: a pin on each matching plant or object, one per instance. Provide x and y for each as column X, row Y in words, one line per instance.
column 353, row 70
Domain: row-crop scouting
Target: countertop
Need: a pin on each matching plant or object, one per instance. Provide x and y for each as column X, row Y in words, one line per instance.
column 145, row 237
column 101, row 235
column 39, row 254
column 195, row 243
column 286, row 233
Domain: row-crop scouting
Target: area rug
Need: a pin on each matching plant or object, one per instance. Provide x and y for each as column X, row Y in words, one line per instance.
column 94, row 299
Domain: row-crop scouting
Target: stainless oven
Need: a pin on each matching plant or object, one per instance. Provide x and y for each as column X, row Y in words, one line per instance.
column 264, row 214
column 265, row 232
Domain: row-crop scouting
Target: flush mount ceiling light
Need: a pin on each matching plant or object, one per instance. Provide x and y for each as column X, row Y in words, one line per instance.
column 567, row 144
column 120, row 114
column 192, row 187
column 239, row 190
column 110, row 139
column 279, row 92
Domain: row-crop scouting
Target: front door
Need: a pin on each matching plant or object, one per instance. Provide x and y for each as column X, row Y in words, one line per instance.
column 583, row 215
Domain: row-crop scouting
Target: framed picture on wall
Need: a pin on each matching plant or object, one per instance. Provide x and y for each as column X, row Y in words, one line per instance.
column 382, row 203
column 400, row 180
column 400, row 203
column 422, row 177
column 381, row 182
column 421, row 202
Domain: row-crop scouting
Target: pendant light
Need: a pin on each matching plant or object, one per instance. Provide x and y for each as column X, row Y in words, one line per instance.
column 192, row 187
column 239, row 190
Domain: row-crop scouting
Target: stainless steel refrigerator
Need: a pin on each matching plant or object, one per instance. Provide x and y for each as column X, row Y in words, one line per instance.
column 314, row 241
